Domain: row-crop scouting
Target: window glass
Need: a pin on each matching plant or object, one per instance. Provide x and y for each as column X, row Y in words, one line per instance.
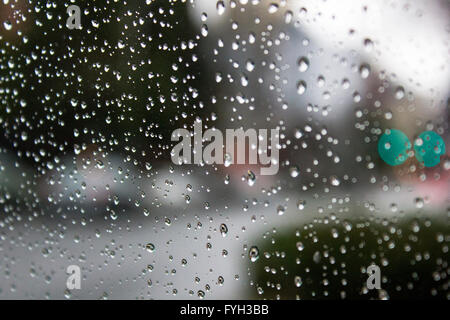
column 238, row 149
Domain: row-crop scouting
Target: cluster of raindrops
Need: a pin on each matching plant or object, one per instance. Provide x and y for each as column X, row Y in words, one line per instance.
column 87, row 149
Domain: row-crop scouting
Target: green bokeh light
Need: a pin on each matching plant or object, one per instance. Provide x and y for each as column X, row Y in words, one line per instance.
column 428, row 148
column 393, row 147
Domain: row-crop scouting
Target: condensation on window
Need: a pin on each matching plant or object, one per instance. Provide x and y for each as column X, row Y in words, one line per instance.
column 235, row 149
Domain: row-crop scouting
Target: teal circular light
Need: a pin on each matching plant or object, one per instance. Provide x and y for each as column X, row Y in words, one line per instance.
column 428, row 148
column 393, row 147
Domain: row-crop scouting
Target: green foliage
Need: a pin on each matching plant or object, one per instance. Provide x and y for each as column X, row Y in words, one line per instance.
column 329, row 260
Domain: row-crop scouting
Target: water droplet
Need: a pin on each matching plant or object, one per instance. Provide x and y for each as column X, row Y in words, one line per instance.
column 253, row 253
column 368, row 45
column 298, row 281
column 399, row 93
column 294, row 171
column 223, row 229
column 7, row 24
column 303, row 64
column 150, row 247
column 301, row 204
column 220, row 6
column 301, row 87
column 273, row 7
column 251, row 178
column 334, row 181
column 204, row 30
column 419, row 203
column 364, row 71
column 281, row 210
column 249, row 65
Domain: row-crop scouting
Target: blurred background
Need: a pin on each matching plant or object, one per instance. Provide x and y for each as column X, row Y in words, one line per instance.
column 86, row 178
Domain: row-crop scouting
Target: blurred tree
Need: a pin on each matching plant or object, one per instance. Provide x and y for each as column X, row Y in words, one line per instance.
column 120, row 83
